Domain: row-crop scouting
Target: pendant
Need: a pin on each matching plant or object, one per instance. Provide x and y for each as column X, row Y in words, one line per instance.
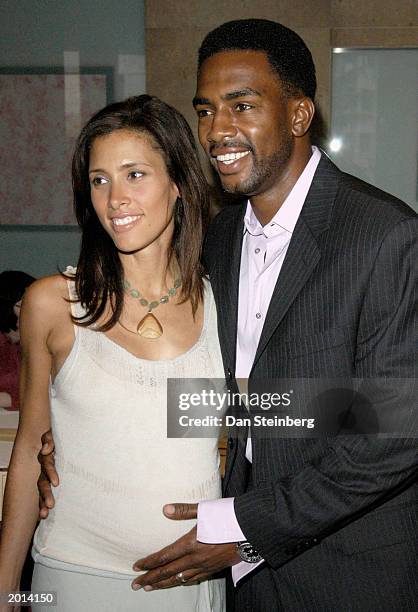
column 149, row 327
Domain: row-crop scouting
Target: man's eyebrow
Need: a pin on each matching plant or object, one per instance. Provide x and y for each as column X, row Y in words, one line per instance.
column 241, row 93
column 232, row 95
column 198, row 101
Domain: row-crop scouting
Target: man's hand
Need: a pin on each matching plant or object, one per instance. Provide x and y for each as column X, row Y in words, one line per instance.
column 48, row 475
column 186, row 561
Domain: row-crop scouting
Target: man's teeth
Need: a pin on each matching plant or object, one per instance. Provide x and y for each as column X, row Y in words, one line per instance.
column 229, row 158
column 124, row 220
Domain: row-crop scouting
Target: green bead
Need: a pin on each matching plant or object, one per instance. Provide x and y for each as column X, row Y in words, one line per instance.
column 134, row 293
column 126, row 284
column 153, row 305
column 143, row 302
column 172, row 292
column 177, row 283
column 164, row 299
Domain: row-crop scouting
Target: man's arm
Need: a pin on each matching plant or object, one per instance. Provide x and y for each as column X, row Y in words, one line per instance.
column 359, row 471
column 284, row 518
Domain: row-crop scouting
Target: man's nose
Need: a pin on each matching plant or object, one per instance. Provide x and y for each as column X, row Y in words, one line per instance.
column 222, row 126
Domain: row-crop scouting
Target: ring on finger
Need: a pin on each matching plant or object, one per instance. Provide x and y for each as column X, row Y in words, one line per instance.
column 180, row 577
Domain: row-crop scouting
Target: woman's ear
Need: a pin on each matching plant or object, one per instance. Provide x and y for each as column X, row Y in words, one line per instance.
column 175, row 193
column 302, row 114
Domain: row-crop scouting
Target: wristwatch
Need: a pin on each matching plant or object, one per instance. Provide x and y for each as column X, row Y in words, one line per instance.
column 248, row 553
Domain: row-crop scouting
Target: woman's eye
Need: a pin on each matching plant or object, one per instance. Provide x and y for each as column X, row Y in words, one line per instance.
column 135, row 174
column 98, row 180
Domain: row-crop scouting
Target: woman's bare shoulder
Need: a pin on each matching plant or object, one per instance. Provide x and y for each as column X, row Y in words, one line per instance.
column 48, row 295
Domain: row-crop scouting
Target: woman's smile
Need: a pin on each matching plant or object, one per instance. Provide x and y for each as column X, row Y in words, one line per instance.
column 125, row 223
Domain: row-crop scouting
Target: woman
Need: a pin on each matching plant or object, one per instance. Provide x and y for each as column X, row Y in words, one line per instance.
column 12, row 287
column 140, row 312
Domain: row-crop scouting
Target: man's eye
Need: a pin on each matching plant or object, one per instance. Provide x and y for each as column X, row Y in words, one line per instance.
column 243, row 106
column 203, row 112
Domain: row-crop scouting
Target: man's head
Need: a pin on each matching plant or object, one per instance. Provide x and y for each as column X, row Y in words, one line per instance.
column 288, row 55
column 256, row 82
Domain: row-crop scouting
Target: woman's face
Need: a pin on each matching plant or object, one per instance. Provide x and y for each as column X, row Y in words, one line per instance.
column 131, row 192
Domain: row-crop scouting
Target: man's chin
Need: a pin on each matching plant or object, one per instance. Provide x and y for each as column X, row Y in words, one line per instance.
column 238, row 187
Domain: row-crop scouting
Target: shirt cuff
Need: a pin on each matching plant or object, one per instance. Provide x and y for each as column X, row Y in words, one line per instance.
column 217, row 524
column 242, row 569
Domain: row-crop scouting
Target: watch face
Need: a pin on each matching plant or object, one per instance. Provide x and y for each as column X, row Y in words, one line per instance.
column 248, row 553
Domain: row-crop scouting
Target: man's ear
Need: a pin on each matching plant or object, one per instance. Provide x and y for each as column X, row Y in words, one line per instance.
column 303, row 110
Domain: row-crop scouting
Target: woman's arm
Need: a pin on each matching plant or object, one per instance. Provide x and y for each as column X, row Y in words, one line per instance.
column 20, row 509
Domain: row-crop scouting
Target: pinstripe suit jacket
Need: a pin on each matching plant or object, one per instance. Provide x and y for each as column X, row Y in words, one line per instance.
column 335, row 520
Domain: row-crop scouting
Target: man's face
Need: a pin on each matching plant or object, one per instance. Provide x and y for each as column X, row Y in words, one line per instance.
column 244, row 121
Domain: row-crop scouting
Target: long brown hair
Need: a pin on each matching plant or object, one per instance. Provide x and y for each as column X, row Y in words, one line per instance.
column 99, row 277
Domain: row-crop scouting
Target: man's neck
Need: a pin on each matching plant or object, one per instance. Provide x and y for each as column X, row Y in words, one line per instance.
column 266, row 205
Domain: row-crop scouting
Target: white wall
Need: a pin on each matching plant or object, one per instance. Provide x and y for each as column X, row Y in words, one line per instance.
column 375, row 117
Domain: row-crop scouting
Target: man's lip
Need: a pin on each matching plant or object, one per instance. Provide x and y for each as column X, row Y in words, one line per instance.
column 232, row 167
column 226, row 150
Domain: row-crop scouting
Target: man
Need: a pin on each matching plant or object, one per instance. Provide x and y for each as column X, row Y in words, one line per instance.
column 314, row 277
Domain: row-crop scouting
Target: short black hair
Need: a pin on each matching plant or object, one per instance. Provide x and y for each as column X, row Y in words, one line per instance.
column 12, row 287
column 288, row 55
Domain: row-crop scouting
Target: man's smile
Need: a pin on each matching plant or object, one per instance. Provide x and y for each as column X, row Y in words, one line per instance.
column 227, row 161
column 229, row 158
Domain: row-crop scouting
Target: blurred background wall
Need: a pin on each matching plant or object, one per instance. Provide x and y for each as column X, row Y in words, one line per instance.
column 38, row 34
column 121, row 34
column 372, row 131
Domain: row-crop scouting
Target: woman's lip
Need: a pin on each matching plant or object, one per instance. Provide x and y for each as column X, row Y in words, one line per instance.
column 127, row 226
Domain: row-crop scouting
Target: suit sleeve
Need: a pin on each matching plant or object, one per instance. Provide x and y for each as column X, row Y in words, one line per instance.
column 283, row 518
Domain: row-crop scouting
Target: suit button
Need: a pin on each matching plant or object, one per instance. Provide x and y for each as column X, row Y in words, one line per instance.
column 229, row 374
column 231, row 443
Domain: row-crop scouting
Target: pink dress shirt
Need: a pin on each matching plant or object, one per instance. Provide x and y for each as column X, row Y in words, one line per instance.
column 262, row 256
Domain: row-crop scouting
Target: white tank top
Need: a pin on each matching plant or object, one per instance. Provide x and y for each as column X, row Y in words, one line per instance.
column 117, row 467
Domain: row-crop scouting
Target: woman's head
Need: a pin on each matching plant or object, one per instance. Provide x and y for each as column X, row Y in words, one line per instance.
column 12, row 287
column 131, row 191
column 138, row 124
column 166, row 130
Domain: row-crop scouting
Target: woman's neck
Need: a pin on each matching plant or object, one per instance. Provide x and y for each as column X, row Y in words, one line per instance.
column 149, row 271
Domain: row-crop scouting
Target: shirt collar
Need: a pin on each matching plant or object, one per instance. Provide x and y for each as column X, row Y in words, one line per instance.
column 288, row 214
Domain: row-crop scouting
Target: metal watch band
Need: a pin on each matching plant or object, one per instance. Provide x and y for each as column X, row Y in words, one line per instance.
column 248, row 553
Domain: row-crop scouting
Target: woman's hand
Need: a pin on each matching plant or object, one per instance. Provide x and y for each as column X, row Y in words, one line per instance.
column 48, row 475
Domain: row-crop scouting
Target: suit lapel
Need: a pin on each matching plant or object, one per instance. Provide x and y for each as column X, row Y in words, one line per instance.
column 227, row 283
column 303, row 253
column 227, row 286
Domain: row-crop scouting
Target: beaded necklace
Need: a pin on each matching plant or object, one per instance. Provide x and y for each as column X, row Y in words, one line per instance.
column 149, row 326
